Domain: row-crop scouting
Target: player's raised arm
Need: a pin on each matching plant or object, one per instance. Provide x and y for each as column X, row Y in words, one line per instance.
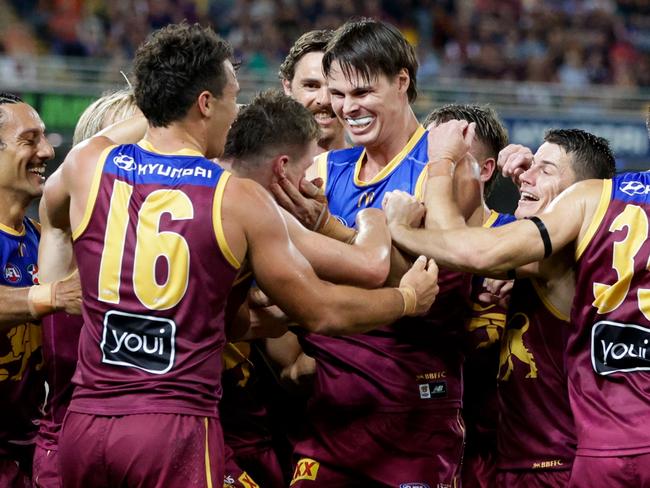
column 288, row 279
column 495, row 251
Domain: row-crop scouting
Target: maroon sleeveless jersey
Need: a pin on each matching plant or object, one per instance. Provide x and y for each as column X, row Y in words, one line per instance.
column 413, row 363
column 608, row 356
column 536, row 428
column 155, row 271
column 60, row 342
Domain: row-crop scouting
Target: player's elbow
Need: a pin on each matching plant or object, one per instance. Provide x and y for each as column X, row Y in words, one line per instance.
column 376, row 270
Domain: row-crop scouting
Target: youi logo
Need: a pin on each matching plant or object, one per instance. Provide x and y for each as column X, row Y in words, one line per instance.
column 139, row 341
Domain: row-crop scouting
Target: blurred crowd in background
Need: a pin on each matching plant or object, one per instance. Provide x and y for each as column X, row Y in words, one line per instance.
column 577, row 43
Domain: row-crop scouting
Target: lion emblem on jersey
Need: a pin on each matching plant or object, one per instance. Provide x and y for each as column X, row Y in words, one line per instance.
column 513, row 345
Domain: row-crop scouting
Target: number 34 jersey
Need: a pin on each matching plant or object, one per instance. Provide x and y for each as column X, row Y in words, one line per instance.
column 608, row 354
column 155, row 271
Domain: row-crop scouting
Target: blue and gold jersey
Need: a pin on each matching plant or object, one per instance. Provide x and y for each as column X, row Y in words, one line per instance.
column 21, row 380
column 347, row 194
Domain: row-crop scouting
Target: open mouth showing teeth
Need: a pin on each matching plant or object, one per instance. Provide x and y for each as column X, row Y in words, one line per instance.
column 360, row 122
column 327, row 116
column 528, row 197
column 37, row 170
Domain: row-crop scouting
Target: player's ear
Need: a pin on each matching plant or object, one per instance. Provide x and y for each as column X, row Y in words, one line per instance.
column 286, row 85
column 278, row 166
column 487, row 169
column 205, row 102
column 403, row 80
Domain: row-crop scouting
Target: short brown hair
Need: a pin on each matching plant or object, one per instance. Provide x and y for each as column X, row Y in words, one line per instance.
column 272, row 122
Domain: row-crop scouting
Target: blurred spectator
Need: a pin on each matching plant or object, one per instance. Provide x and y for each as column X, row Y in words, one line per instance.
column 573, row 42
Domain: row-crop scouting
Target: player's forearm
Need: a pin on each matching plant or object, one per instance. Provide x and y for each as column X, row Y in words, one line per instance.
column 348, row 310
column 15, row 307
column 128, row 131
column 488, row 252
column 24, row 304
column 372, row 247
column 442, row 210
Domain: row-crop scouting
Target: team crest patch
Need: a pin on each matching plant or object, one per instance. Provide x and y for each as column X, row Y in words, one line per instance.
column 12, row 274
column 32, row 269
column 306, row 469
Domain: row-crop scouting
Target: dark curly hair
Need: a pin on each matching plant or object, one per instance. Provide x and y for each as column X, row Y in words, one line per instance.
column 173, row 66
column 372, row 48
column 310, row 42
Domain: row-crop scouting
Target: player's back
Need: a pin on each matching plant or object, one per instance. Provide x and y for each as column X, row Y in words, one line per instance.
column 155, row 272
column 607, row 358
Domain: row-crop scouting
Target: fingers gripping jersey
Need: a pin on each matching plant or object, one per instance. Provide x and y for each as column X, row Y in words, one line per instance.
column 155, row 272
column 608, row 356
column 21, row 360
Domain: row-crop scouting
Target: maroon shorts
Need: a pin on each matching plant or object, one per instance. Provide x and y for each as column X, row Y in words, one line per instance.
column 406, row 448
column 608, row 472
column 533, row 479
column 148, row 450
column 234, row 476
column 479, row 470
column 46, row 473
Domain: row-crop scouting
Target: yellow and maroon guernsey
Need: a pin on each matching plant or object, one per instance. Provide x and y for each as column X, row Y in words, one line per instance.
column 608, row 356
column 536, row 428
column 156, row 271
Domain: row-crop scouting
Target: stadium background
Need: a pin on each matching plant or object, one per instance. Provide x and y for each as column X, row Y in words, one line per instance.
column 539, row 63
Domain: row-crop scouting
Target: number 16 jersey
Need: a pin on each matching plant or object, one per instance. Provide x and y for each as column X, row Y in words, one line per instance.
column 155, row 271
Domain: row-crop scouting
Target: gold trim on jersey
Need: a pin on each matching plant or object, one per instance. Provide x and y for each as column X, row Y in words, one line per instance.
column 492, row 218
column 418, row 192
column 321, row 168
column 394, row 163
column 147, row 146
column 92, row 193
column 547, row 303
column 217, row 221
column 245, row 271
column 13, row 232
column 605, row 195
column 208, row 471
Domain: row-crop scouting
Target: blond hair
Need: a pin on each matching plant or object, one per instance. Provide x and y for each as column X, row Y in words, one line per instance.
column 106, row 110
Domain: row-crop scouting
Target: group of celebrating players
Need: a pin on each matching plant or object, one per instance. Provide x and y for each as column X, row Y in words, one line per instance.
column 250, row 296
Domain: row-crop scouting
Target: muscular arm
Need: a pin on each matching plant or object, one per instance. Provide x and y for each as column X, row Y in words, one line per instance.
column 494, row 251
column 287, row 278
column 364, row 263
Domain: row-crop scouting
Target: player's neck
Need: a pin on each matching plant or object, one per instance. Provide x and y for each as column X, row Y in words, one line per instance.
column 479, row 216
column 334, row 143
column 175, row 137
column 379, row 156
column 12, row 210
